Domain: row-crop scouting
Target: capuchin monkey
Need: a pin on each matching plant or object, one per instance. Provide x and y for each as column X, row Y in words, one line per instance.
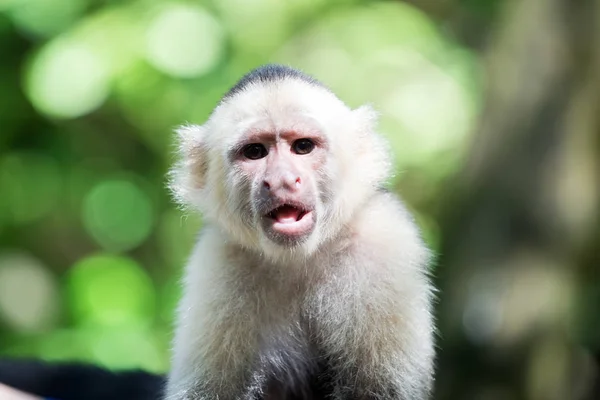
column 308, row 281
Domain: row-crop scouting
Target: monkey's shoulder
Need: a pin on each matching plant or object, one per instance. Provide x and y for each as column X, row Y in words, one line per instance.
column 386, row 230
column 385, row 214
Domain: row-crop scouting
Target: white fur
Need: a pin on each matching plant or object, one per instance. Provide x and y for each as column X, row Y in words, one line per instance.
column 357, row 290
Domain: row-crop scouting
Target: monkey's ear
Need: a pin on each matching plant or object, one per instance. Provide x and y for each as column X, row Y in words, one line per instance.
column 367, row 117
column 374, row 154
column 188, row 176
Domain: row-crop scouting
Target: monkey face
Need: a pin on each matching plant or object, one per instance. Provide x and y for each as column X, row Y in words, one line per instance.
column 282, row 164
column 280, row 171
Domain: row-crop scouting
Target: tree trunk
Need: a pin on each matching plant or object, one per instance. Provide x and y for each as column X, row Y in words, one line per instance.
column 519, row 258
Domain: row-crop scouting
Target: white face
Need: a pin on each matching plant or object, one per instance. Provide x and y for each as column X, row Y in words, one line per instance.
column 280, row 165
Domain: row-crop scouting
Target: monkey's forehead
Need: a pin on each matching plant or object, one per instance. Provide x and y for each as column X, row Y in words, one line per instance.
column 280, row 99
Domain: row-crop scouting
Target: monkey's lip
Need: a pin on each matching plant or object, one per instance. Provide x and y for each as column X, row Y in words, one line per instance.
column 291, row 219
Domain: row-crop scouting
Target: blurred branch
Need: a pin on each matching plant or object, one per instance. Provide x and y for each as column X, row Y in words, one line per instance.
column 519, row 231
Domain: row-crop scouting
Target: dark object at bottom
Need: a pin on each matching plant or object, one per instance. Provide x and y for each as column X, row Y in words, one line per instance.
column 78, row 381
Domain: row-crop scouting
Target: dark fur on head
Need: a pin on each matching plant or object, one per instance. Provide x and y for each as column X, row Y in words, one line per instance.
column 269, row 73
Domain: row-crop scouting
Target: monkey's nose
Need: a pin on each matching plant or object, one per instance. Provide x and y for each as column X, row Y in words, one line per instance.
column 290, row 183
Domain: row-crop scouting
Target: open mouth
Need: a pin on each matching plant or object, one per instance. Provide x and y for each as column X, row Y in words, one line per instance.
column 287, row 214
column 291, row 220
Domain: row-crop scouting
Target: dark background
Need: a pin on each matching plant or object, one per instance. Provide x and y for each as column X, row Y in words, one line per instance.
column 492, row 108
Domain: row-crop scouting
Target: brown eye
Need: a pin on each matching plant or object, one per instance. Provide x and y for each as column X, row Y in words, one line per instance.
column 303, row 146
column 254, row 151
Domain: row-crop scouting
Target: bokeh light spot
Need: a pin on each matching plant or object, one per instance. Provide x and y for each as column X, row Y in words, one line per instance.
column 184, row 41
column 250, row 31
column 67, row 79
column 28, row 293
column 424, row 91
column 118, row 214
column 109, row 290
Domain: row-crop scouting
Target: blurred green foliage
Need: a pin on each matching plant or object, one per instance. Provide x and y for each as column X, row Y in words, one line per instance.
column 91, row 244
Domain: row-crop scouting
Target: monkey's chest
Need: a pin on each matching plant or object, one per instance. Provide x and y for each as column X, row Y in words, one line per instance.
column 316, row 387
column 294, row 370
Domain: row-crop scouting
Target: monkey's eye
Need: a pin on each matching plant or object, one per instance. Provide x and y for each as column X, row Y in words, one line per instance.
column 303, row 146
column 254, row 151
